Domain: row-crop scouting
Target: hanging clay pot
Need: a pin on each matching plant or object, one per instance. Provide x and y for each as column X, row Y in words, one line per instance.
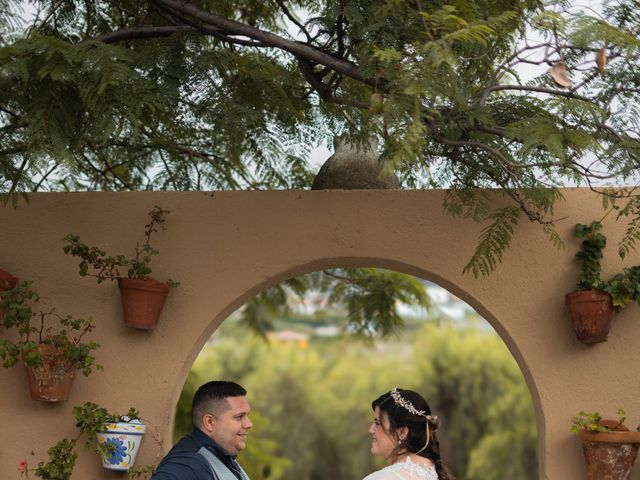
column 610, row 455
column 122, row 439
column 591, row 314
column 7, row 282
column 52, row 380
column 142, row 301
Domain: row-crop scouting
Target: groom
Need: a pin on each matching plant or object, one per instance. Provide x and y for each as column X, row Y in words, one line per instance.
column 220, row 415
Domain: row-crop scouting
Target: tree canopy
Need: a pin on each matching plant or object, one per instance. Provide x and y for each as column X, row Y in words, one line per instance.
column 219, row 94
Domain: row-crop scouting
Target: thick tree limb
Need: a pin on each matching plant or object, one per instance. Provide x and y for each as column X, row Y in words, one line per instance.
column 141, row 32
column 208, row 30
column 300, row 50
column 154, row 32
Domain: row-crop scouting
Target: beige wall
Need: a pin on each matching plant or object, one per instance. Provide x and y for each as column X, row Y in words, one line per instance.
column 226, row 247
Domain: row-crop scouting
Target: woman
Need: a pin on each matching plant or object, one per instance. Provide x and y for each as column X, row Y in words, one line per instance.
column 403, row 432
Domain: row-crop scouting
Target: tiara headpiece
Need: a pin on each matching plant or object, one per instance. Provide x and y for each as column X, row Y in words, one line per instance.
column 408, row 406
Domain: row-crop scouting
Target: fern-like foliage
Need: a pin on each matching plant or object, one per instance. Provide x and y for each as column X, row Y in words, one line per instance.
column 369, row 296
column 468, row 203
column 631, row 235
column 493, row 241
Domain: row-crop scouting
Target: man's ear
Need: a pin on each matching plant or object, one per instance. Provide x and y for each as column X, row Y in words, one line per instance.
column 208, row 422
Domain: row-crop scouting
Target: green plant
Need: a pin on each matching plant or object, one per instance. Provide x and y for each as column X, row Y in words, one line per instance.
column 94, row 262
column 624, row 287
column 590, row 255
column 143, row 472
column 33, row 331
column 62, row 459
column 90, row 419
column 592, row 422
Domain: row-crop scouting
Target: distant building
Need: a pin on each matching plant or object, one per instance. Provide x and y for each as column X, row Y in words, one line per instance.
column 289, row 336
column 327, row 331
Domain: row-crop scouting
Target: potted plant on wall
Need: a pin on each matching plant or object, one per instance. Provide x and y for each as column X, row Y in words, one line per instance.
column 51, row 358
column 117, row 453
column 592, row 306
column 142, row 296
column 610, row 449
column 116, row 438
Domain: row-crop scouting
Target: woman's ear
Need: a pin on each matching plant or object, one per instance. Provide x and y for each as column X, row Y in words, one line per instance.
column 403, row 433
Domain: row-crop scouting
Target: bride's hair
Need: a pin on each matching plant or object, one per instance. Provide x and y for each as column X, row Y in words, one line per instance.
column 406, row 408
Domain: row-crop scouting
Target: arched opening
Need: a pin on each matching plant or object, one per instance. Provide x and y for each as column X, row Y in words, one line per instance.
column 471, row 372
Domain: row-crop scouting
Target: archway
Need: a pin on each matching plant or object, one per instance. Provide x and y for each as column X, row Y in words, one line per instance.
column 239, row 373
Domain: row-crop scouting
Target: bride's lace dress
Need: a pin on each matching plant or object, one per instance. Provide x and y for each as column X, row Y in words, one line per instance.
column 406, row 470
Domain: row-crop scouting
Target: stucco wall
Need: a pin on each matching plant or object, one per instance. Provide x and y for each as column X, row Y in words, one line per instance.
column 226, row 247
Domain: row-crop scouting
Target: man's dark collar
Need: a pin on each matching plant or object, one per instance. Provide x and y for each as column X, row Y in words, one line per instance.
column 220, row 452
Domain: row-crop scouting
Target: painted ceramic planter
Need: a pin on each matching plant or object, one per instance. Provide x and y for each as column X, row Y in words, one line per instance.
column 123, row 440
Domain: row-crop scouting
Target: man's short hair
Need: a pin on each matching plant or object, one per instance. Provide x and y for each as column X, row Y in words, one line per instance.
column 211, row 398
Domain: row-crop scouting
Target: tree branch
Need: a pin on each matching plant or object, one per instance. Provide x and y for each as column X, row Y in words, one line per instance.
column 216, row 32
column 300, row 50
column 323, row 90
column 141, row 32
column 19, row 148
column 539, row 89
column 294, row 20
column 45, row 176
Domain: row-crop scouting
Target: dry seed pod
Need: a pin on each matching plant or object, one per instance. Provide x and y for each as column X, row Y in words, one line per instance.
column 601, row 59
column 559, row 75
column 376, row 103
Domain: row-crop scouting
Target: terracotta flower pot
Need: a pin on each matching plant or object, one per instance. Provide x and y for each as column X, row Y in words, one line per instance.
column 7, row 282
column 610, row 455
column 51, row 381
column 142, row 301
column 591, row 314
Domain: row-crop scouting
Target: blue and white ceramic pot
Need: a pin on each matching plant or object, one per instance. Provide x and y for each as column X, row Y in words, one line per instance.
column 122, row 440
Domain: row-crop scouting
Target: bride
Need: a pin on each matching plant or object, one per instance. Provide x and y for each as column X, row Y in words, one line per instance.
column 403, row 432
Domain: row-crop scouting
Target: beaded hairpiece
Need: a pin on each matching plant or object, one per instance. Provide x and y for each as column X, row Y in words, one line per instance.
column 408, row 406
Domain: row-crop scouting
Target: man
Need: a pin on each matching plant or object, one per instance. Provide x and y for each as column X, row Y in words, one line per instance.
column 220, row 415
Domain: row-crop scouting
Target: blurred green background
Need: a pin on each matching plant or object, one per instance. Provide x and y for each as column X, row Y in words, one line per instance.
column 311, row 383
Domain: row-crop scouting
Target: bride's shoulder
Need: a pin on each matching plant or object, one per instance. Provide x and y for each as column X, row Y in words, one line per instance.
column 384, row 474
column 405, row 469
